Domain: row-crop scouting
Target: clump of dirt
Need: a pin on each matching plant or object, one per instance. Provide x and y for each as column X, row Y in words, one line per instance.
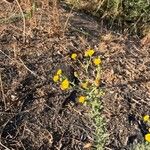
column 34, row 112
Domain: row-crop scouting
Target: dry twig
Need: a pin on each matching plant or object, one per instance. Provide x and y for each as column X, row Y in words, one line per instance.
column 24, row 20
column 2, row 90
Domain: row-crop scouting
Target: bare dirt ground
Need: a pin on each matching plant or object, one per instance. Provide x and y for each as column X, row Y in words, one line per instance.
column 34, row 112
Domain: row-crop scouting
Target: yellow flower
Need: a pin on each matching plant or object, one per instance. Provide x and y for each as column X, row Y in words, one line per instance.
column 59, row 72
column 74, row 56
column 146, row 118
column 65, row 84
column 81, row 99
column 97, row 61
column 55, row 78
column 89, row 52
column 147, row 137
column 84, row 85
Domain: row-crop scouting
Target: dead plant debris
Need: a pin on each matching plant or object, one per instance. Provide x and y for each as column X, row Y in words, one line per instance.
column 32, row 115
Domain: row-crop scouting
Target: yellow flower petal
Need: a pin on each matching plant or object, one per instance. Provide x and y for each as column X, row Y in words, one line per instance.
column 55, row 78
column 81, row 99
column 97, row 61
column 59, row 72
column 146, row 118
column 147, row 137
column 89, row 53
column 65, row 84
column 74, row 56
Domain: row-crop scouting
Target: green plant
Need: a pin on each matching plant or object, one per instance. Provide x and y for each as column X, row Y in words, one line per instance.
column 144, row 145
column 99, row 122
column 88, row 90
column 132, row 14
column 141, row 146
